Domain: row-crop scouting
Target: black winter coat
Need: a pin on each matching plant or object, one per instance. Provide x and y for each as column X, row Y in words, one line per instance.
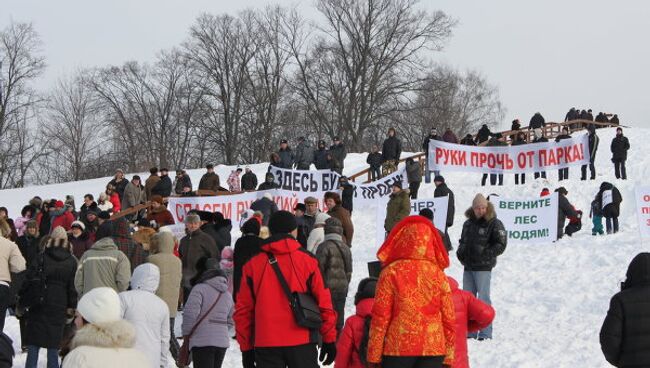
column 441, row 191
column 224, row 239
column 119, row 186
column 625, row 334
column 427, row 139
column 374, row 159
column 249, row 181
column 540, row 140
column 482, row 240
column 347, row 194
column 468, row 141
column 613, row 209
column 246, row 247
column 44, row 323
column 537, row 121
column 29, row 248
column 339, row 153
column 391, row 149
column 483, row 134
column 320, row 159
column 286, row 158
column 414, row 172
column 268, row 185
column 620, row 146
column 163, row 187
column 266, row 206
column 304, row 155
column 562, row 137
column 564, row 210
column 182, row 182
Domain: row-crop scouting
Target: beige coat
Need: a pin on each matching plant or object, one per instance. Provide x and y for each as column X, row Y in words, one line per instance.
column 11, row 260
column 171, row 269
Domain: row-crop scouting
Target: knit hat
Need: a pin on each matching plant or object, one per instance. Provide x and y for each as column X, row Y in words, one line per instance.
column 282, row 222
column 78, row 224
column 100, row 305
column 59, row 204
column 104, row 215
column 562, row 190
column 157, row 198
column 58, row 233
column 321, row 218
column 366, row 289
column 544, row 192
column 105, row 230
column 300, row 207
column 479, row 201
column 439, row 178
column 333, row 226
column 426, row 212
column 252, row 226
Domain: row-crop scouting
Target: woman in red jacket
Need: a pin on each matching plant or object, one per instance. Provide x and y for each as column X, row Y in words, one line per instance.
column 472, row 315
column 351, row 349
column 114, row 198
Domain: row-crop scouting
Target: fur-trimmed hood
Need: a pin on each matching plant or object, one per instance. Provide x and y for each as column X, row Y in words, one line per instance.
column 489, row 215
column 117, row 334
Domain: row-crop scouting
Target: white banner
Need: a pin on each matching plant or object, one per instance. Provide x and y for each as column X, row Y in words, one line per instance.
column 305, row 181
column 530, row 220
column 532, row 157
column 608, row 197
column 643, row 210
column 438, row 205
column 368, row 194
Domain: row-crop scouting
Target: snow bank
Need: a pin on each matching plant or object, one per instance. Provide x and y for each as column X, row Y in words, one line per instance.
column 550, row 299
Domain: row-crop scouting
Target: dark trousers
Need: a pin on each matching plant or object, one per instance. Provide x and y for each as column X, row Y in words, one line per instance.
column 208, row 356
column 300, row 356
column 541, row 174
column 592, row 170
column 563, row 174
column 5, row 297
column 493, row 179
column 484, row 179
column 520, row 177
column 413, row 189
column 412, row 362
column 338, row 301
column 619, row 169
column 609, row 221
column 174, row 347
column 570, row 229
column 375, row 173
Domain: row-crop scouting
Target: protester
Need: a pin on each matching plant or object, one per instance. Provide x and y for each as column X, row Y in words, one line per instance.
column 414, row 177
column 610, row 199
column 164, row 187
column 516, row 125
column 234, row 183
column 614, row 120
column 563, row 173
column 207, row 317
column 159, row 214
column 565, row 209
column 483, row 135
column 520, row 139
column 575, row 223
column 274, row 161
column 43, row 217
column 449, row 136
column 151, row 182
column 472, row 315
column 433, row 135
column 304, row 154
column 339, row 153
column 248, row 180
column 103, row 265
column 497, row 140
column 619, row 147
column 311, row 209
column 222, row 227
column 468, row 140
column 148, row 314
column 299, row 212
column 193, row 246
column 171, row 273
column 119, row 183
column 26, row 214
column 428, row 214
column 267, row 331
column 596, row 215
column 79, row 239
column 538, row 137
column 398, row 206
column 103, row 339
column 391, row 152
column 317, row 234
column 28, row 244
column 320, row 156
column 210, row 180
column 335, row 262
column 625, row 334
column 287, row 157
column 60, row 217
column 374, row 161
column 335, row 209
column 269, row 182
column 593, row 148
column 571, row 115
column 537, row 121
column 442, row 190
column 11, row 261
column 246, row 247
column 183, row 183
column 347, row 193
column 333, row 164
column 413, row 260
column 266, row 206
column 482, row 240
column 352, row 344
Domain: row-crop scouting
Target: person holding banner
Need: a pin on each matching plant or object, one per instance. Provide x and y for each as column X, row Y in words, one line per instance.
column 482, row 240
column 398, row 207
column 538, row 135
column 520, row 139
column 563, row 173
column 433, row 135
column 610, row 200
column 593, row 148
column 497, row 140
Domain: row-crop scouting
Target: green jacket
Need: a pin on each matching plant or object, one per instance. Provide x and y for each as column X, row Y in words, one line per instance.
column 103, row 265
column 399, row 207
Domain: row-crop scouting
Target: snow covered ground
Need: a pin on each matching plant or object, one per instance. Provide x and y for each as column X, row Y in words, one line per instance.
column 550, row 299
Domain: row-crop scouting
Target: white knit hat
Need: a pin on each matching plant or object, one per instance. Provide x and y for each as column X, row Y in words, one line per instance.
column 80, row 224
column 100, row 305
column 320, row 218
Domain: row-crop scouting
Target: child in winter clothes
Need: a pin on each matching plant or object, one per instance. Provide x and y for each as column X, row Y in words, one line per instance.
column 27, row 214
column 596, row 215
column 227, row 265
column 575, row 223
column 353, row 342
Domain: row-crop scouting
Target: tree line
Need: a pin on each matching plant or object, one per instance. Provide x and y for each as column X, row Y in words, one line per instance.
column 235, row 87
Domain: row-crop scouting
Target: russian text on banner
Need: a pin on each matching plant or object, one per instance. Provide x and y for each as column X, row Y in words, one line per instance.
column 528, row 220
column 643, row 210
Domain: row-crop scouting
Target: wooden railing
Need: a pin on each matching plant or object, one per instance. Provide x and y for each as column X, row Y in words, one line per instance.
column 550, row 130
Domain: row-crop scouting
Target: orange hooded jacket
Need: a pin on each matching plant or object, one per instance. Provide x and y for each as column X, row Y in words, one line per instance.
column 413, row 314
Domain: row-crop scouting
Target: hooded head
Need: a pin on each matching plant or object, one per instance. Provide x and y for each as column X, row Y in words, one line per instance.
column 638, row 273
column 162, row 242
column 146, row 277
column 416, row 238
column 100, row 305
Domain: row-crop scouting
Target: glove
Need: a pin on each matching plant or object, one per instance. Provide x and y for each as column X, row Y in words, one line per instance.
column 248, row 359
column 327, row 353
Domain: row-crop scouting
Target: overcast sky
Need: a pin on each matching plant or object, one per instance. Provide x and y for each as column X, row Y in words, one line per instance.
column 544, row 55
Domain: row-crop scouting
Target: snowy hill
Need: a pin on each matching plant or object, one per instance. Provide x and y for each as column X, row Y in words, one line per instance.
column 550, row 299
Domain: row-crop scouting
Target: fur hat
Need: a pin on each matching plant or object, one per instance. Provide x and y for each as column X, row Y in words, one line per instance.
column 479, row 201
column 333, row 226
column 192, row 218
column 78, row 224
column 282, row 222
column 252, row 226
column 100, row 305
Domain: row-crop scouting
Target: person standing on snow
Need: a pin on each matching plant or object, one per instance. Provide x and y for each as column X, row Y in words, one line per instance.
column 286, row 155
column 210, row 180
column 610, row 200
column 339, row 153
column 304, row 154
column 391, row 152
column 563, row 173
column 593, row 148
column 234, row 183
column 482, row 240
column 248, row 180
column 619, row 147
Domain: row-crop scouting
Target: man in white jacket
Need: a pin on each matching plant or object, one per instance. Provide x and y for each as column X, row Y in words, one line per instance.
column 148, row 314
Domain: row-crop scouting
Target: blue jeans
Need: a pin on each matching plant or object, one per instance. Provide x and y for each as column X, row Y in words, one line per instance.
column 32, row 357
column 478, row 283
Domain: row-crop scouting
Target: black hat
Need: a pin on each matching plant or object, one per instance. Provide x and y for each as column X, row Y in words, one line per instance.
column 336, row 138
column 205, row 216
column 282, row 222
column 251, row 226
column 397, row 184
column 562, row 190
column 104, row 215
column 366, row 289
column 283, row 141
column 439, row 178
column 105, row 230
column 300, row 207
column 321, row 143
column 426, row 212
column 136, row 177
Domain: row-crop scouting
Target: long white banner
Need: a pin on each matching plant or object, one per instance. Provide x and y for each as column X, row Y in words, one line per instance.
column 438, row 206
column 643, row 210
column 305, row 181
column 524, row 158
column 370, row 193
column 529, row 220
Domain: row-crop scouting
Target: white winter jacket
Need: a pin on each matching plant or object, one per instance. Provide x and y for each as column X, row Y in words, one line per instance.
column 148, row 314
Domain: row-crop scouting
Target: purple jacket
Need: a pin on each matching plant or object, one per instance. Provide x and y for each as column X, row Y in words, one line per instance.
column 213, row 330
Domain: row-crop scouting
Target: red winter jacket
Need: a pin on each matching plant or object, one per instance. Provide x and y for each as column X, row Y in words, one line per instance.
column 471, row 315
column 263, row 317
column 65, row 221
column 347, row 348
column 115, row 200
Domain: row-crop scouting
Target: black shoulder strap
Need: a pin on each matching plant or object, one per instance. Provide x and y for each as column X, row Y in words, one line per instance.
column 283, row 282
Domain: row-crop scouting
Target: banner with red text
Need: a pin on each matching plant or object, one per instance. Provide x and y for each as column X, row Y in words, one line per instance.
column 524, row 158
column 643, row 210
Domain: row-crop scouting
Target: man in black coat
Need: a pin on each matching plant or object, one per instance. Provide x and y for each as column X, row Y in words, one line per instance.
column 538, row 137
column 442, row 190
column 433, row 134
column 320, row 156
column 563, row 173
column 268, row 182
column 564, row 210
column 164, row 187
column 620, row 146
column 245, row 248
column 266, row 206
column 248, row 180
column 286, row 155
column 610, row 210
column 497, row 140
column 347, row 193
column 537, row 121
column 392, row 147
column 625, row 334
column 339, row 152
column 304, row 154
column 374, row 160
column 593, row 148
